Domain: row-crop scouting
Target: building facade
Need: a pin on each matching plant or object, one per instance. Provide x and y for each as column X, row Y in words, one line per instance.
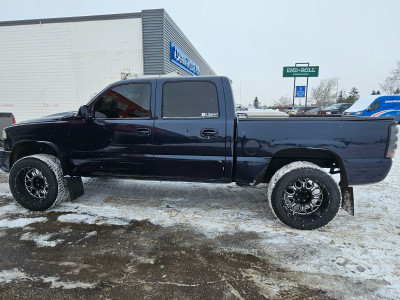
column 55, row 65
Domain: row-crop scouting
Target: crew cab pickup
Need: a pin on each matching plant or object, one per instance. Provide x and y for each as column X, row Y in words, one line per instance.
column 186, row 129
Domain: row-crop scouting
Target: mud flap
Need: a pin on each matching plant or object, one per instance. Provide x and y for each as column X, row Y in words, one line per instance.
column 75, row 187
column 348, row 199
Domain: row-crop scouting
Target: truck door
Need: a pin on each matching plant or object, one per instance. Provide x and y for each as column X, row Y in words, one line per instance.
column 119, row 138
column 190, row 130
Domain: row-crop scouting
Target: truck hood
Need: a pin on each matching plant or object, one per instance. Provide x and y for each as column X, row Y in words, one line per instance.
column 49, row 118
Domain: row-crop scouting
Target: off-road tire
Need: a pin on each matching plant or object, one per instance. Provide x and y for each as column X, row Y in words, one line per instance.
column 303, row 196
column 37, row 182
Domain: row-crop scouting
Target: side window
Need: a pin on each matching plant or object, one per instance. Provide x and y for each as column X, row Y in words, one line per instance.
column 124, row 101
column 375, row 105
column 190, row 100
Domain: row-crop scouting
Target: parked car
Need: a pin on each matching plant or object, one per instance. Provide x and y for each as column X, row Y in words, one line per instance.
column 6, row 119
column 376, row 106
column 313, row 111
column 298, row 110
column 301, row 110
column 292, row 110
column 254, row 113
column 186, row 129
column 334, row 109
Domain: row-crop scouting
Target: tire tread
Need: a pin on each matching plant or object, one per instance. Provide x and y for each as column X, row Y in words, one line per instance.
column 53, row 163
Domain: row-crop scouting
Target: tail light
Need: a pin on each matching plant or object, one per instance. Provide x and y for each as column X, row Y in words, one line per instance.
column 14, row 120
column 392, row 144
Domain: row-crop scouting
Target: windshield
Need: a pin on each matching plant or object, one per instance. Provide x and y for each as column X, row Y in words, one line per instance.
column 334, row 106
column 362, row 103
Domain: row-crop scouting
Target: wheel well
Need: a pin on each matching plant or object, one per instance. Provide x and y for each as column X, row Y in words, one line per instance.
column 29, row 148
column 322, row 158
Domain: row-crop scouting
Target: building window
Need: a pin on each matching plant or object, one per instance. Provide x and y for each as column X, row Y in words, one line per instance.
column 124, row 101
column 190, row 100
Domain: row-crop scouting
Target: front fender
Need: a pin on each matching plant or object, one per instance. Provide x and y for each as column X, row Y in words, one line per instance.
column 29, row 147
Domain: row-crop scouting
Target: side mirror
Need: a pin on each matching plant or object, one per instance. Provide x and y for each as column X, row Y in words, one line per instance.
column 84, row 112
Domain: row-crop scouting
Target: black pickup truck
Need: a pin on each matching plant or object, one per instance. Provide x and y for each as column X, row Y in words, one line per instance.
column 186, row 129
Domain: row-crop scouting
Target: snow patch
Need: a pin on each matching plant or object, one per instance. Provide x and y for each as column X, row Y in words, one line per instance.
column 7, row 276
column 13, row 274
column 96, row 217
column 56, row 283
column 90, row 234
column 12, row 208
column 20, row 223
column 41, row 240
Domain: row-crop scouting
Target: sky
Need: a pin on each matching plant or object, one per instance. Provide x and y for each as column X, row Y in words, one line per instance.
column 355, row 41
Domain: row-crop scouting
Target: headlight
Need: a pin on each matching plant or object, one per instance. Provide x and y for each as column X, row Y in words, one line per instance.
column 4, row 135
column 358, row 113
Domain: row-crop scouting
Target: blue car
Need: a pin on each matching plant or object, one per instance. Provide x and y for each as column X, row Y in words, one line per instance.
column 376, row 106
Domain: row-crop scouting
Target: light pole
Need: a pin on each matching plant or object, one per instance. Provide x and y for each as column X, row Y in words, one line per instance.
column 337, row 87
column 240, row 99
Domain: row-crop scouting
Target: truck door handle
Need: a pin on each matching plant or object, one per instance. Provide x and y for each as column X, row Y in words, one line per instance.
column 143, row 131
column 209, row 133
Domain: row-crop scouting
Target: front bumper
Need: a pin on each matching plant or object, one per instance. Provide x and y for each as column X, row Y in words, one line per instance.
column 5, row 159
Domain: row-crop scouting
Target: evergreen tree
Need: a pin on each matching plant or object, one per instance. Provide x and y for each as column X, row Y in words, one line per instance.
column 340, row 98
column 378, row 92
column 353, row 95
column 256, row 103
column 373, row 92
column 397, row 91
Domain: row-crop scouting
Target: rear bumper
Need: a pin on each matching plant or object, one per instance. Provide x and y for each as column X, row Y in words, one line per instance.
column 5, row 159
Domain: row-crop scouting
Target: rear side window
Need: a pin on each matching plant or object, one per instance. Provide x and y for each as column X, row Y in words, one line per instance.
column 190, row 100
column 124, row 101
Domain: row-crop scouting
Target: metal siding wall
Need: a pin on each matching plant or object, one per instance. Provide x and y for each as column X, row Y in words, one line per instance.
column 54, row 67
column 36, row 74
column 153, row 55
column 158, row 31
column 174, row 34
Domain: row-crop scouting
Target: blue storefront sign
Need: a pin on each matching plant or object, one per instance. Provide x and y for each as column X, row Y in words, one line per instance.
column 300, row 91
column 180, row 59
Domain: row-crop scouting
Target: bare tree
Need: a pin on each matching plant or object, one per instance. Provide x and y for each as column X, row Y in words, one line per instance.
column 325, row 93
column 392, row 82
column 283, row 102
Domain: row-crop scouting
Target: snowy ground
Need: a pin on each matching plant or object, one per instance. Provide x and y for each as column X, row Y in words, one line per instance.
column 350, row 258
